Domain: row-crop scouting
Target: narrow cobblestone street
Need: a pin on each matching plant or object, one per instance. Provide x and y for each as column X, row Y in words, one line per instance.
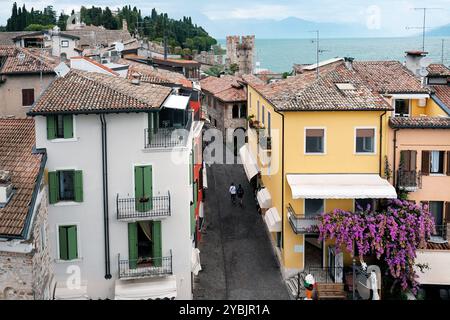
column 236, row 254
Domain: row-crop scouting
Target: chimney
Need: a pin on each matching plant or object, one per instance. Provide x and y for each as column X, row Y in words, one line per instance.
column 349, row 62
column 136, row 78
column 413, row 59
column 124, row 25
column 6, row 187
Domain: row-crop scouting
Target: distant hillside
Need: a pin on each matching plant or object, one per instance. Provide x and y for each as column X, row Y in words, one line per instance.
column 443, row 31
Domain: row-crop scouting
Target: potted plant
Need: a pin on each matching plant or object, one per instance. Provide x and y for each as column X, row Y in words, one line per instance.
column 144, row 199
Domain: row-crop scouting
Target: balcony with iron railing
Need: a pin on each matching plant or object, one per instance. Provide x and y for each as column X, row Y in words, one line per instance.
column 302, row 224
column 133, row 209
column 439, row 234
column 409, row 180
column 169, row 134
column 145, row 267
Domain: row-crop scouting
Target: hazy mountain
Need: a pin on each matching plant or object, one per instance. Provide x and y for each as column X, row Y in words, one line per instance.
column 286, row 28
column 443, row 31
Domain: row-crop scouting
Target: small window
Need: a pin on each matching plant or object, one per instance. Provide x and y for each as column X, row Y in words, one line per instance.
column 258, row 111
column 437, row 211
column 243, row 111
column 68, row 246
column 235, row 111
column 60, row 127
column 365, row 140
column 313, row 207
column 215, row 123
column 437, row 162
column 269, row 125
column 27, row 97
column 65, row 185
column 315, row 141
column 263, row 114
column 402, row 108
column 64, row 43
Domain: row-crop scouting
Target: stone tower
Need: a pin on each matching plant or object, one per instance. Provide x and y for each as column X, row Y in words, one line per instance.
column 241, row 51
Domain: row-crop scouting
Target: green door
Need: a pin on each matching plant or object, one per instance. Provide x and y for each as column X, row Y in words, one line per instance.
column 157, row 248
column 143, row 188
column 132, row 244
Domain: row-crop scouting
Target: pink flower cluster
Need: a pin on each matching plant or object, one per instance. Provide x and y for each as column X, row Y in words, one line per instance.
column 393, row 234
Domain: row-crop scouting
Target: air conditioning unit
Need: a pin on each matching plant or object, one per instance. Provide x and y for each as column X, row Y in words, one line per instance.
column 422, row 103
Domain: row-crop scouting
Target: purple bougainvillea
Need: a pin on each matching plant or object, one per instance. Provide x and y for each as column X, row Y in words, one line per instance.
column 393, row 235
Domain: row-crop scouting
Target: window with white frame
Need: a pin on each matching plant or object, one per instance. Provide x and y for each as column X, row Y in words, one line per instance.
column 365, row 140
column 437, row 162
column 314, row 140
column 64, row 43
column 401, row 107
column 314, row 207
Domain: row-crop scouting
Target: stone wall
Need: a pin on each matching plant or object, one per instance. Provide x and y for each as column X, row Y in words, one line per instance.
column 26, row 276
column 241, row 51
column 215, row 110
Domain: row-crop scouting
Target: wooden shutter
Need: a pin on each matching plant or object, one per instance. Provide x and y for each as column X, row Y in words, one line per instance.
column 448, row 163
column 413, row 160
column 68, row 126
column 425, row 163
column 157, row 243
column 132, row 245
column 139, row 188
column 447, row 213
column 405, row 157
column 78, row 185
column 53, row 187
column 27, row 97
column 148, row 187
column 63, row 244
column 51, row 127
column 72, row 242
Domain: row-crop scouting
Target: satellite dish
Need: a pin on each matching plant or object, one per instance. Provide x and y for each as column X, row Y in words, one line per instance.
column 119, row 46
column 425, row 62
column 423, row 72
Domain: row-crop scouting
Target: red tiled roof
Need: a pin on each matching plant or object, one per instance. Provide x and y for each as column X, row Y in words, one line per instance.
column 90, row 92
column 31, row 62
column 442, row 92
column 420, row 122
column 305, row 92
column 226, row 88
column 176, row 61
column 388, row 77
column 438, row 69
column 17, row 138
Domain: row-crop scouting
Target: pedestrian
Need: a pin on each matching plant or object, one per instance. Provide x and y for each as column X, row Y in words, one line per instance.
column 232, row 191
column 240, row 194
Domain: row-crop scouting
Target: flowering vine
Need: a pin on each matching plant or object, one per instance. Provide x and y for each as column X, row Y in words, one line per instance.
column 393, row 234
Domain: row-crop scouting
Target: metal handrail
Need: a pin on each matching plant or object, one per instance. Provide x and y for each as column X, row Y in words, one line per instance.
column 167, row 137
column 309, row 223
column 145, row 267
column 409, row 179
column 134, row 208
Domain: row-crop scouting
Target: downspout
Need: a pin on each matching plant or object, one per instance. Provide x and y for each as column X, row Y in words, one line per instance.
column 381, row 142
column 105, row 197
column 395, row 156
column 282, row 177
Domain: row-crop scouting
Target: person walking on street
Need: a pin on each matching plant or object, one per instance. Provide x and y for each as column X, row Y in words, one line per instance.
column 240, row 194
column 232, row 191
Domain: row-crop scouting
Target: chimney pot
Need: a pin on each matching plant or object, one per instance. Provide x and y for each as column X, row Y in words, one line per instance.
column 349, row 62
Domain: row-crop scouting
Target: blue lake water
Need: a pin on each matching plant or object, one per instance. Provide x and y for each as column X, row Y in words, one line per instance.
column 280, row 54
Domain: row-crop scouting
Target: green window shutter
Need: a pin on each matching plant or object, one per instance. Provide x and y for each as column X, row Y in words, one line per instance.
column 63, row 244
column 72, row 242
column 157, row 243
column 191, row 170
column 51, row 127
column 132, row 245
column 68, row 126
column 148, row 187
column 53, row 187
column 143, row 187
column 139, row 188
column 78, row 181
column 192, row 219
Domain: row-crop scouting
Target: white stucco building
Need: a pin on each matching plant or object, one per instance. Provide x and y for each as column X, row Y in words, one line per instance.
column 120, row 187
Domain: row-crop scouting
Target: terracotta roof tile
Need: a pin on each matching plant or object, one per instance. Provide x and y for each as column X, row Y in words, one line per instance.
column 31, row 63
column 388, row 77
column 420, row 122
column 226, row 88
column 89, row 92
column 17, row 138
column 442, row 92
column 438, row 69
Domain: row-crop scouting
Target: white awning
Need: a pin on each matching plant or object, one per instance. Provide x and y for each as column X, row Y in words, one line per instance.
column 340, row 186
column 176, row 102
column 438, row 272
column 63, row 292
column 198, row 126
column 273, row 220
column 249, row 162
column 264, row 198
column 146, row 289
column 195, row 261
column 205, row 177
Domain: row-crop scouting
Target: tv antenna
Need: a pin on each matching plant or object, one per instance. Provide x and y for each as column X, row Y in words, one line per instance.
column 318, row 51
column 423, row 27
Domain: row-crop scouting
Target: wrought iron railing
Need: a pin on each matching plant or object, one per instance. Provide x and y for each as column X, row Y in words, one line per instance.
column 145, row 267
column 143, row 208
column 169, row 137
column 327, row 274
column 409, row 180
column 440, row 231
column 302, row 224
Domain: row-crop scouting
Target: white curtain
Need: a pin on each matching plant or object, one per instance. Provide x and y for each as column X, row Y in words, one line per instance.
column 434, row 161
column 146, row 228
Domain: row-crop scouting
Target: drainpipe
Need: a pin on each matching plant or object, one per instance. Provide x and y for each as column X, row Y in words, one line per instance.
column 395, row 156
column 105, row 197
column 381, row 141
column 282, row 178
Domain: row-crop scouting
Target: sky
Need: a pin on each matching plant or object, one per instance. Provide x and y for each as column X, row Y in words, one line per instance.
column 391, row 17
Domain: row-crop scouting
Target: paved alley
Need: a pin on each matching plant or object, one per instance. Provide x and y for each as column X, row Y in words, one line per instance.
column 236, row 253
